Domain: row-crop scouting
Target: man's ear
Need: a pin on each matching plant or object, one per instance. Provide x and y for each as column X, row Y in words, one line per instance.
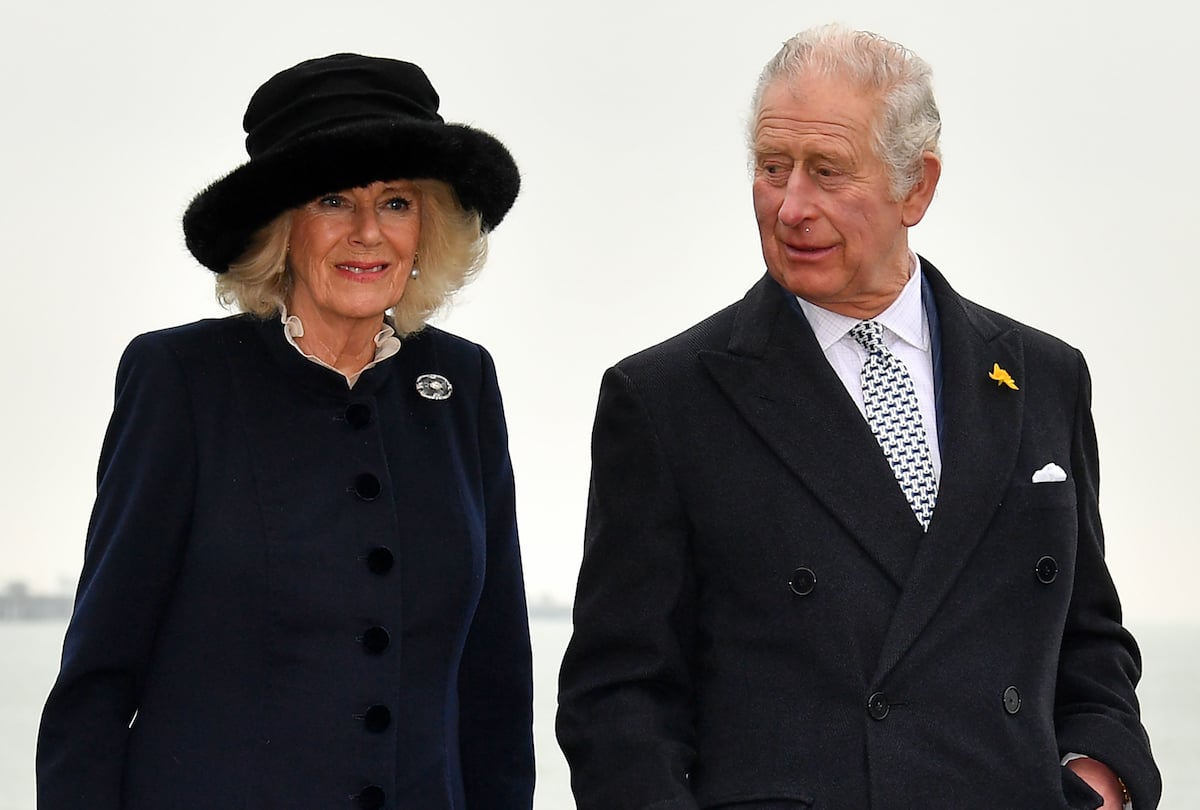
column 917, row 201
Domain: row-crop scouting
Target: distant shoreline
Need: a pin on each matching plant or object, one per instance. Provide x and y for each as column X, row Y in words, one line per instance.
column 20, row 606
column 549, row 610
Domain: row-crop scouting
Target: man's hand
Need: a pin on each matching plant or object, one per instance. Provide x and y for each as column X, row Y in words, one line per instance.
column 1101, row 779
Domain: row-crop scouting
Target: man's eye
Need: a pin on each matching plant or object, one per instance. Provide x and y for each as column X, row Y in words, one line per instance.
column 826, row 171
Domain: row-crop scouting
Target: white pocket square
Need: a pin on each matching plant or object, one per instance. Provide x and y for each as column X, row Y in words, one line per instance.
column 1051, row 472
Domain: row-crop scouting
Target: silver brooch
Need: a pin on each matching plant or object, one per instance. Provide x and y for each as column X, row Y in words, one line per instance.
column 434, row 386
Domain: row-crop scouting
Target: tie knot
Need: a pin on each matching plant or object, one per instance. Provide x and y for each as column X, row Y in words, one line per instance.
column 869, row 334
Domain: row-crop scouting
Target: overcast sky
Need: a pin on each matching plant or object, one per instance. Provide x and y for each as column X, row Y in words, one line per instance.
column 1068, row 200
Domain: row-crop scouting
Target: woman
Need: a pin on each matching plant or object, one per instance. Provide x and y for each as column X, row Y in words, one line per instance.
column 302, row 586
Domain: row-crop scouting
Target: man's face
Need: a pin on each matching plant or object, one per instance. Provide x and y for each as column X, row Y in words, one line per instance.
column 831, row 232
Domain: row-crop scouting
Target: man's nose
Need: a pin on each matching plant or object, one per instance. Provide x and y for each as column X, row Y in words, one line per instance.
column 798, row 199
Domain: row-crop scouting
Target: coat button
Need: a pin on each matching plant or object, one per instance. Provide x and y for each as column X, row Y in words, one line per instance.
column 358, row 414
column 376, row 639
column 380, row 560
column 371, row 797
column 1012, row 700
column 1047, row 570
column 877, row 706
column 377, row 718
column 367, row 487
column 803, row 581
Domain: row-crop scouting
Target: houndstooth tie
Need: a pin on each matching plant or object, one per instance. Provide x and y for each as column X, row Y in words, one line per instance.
column 895, row 418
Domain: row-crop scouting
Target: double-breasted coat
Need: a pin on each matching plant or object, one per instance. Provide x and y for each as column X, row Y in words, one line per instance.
column 761, row 623
column 295, row 595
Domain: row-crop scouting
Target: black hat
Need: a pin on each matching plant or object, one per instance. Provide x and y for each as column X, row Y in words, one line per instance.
column 339, row 122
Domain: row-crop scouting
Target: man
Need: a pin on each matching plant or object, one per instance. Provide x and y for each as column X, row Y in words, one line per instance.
column 843, row 547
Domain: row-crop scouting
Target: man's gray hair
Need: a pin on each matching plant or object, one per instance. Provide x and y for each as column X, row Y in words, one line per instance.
column 908, row 124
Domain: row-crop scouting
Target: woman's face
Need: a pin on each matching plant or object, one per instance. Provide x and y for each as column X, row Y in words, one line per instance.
column 351, row 252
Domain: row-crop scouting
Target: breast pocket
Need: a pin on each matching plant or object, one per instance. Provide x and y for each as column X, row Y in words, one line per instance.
column 1047, row 495
column 1043, row 515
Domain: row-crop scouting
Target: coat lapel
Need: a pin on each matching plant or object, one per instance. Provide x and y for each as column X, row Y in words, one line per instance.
column 777, row 378
column 980, row 440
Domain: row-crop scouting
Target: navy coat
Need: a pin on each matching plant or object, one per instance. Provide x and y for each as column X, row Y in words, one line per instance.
column 295, row 595
column 760, row 622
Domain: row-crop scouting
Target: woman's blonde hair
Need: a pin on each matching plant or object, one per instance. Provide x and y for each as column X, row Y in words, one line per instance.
column 452, row 248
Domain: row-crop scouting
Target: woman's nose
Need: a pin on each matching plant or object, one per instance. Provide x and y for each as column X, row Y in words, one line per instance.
column 366, row 226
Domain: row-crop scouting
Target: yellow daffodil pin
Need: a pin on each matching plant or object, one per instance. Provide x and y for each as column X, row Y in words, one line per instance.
column 1002, row 377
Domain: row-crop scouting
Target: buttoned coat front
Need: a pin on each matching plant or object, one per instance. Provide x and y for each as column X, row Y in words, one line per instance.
column 295, row 595
column 761, row 623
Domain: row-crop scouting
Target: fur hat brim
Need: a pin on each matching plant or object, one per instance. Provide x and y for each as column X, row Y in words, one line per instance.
column 220, row 222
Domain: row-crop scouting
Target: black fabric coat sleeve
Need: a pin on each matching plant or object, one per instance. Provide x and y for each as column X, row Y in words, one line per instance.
column 633, row 716
column 496, row 692
column 135, row 545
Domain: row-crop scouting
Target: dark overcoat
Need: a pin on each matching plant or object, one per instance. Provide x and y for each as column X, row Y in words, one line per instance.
column 295, row 595
column 760, row 622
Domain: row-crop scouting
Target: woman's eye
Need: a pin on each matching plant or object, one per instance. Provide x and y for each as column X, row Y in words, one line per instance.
column 398, row 204
column 330, row 201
